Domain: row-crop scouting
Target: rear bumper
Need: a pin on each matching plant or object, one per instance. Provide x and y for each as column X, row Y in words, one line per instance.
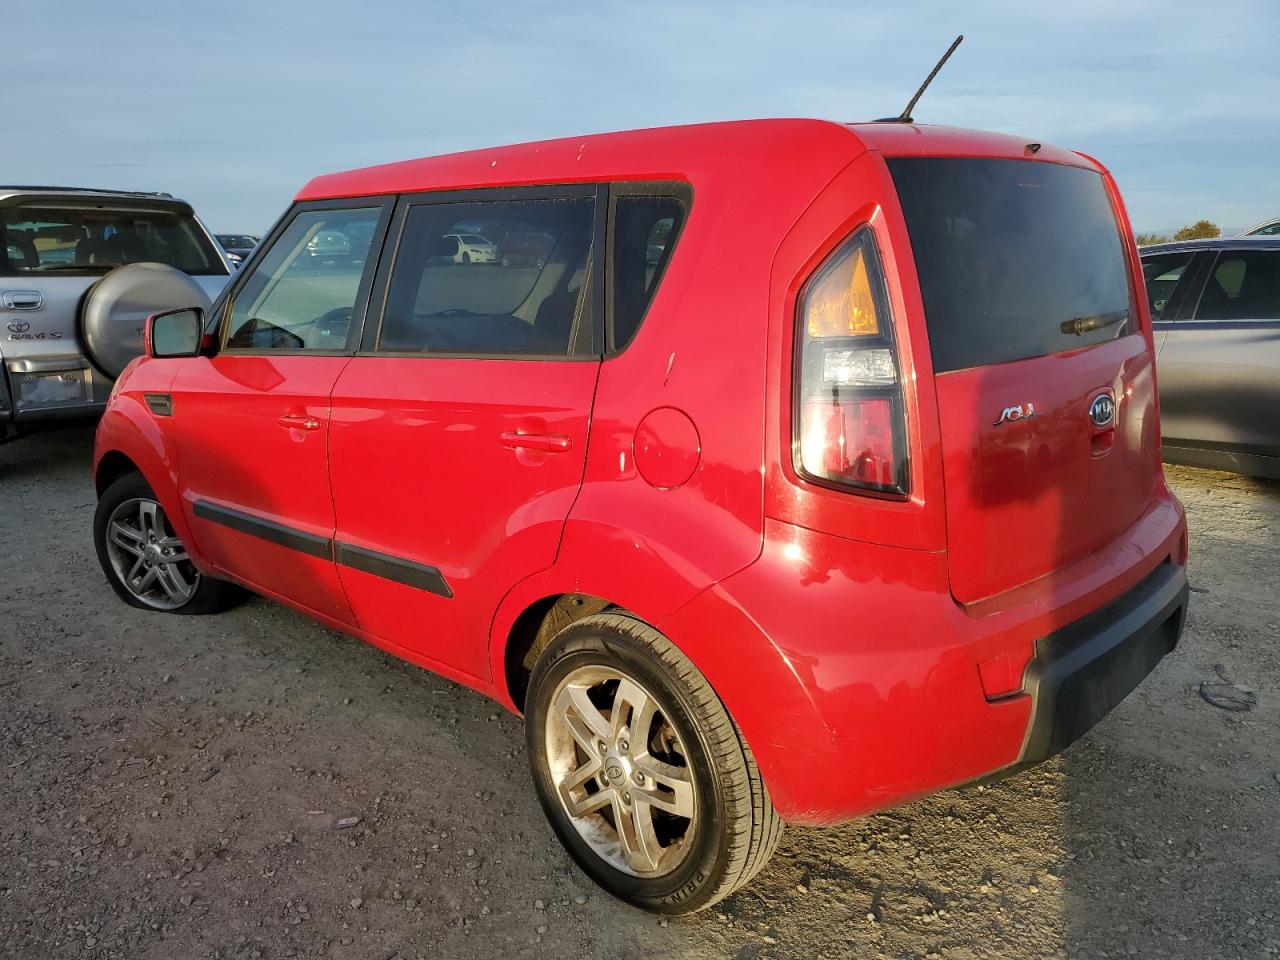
column 35, row 389
column 1081, row 673
column 858, row 682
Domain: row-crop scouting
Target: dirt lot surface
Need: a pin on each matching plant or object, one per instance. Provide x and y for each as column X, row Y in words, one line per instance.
column 171, row 788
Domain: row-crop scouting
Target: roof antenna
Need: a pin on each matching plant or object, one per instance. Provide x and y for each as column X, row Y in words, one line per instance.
column 905, row 116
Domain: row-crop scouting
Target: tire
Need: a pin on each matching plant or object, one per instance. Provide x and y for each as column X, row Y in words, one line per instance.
column 130, row 528
column 596, row 680
column 114, row 311
column 466, row 257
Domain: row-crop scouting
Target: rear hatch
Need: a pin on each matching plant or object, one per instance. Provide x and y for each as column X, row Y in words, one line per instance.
column 56, row 244
column 1044, row 381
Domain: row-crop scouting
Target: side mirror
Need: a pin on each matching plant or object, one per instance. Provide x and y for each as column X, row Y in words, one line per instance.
column 175, row 333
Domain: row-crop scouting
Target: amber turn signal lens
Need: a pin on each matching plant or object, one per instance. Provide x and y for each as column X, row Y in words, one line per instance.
column 841, row 303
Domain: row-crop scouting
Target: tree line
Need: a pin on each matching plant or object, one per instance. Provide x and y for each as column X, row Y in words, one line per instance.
column 1200, row 230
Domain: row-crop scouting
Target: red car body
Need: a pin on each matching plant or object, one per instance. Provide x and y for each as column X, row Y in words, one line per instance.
column 871, row 648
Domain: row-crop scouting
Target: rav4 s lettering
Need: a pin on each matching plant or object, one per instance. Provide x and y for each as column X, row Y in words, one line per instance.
column 691, row 463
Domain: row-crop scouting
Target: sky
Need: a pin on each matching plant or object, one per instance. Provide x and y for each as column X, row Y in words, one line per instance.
column 234, row 105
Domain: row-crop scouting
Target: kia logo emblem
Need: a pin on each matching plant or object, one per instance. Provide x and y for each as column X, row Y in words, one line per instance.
column 1102, row 411
column 18, row 326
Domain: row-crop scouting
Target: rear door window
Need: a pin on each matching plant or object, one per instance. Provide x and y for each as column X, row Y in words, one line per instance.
column 492, row 278
column 1162, row 275
column 1013, row 257
column 1244, row 285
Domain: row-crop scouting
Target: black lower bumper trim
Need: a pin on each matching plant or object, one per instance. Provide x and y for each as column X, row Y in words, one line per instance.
column 1081, row 672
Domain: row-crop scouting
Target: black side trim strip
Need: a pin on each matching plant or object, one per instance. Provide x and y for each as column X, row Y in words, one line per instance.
column 419, row 575
column 307, row 543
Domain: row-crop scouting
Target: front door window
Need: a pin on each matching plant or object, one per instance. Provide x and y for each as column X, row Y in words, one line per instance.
column 304, row 291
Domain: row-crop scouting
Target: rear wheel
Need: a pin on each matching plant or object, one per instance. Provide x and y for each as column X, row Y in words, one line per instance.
column 641, row 771
column 145, row 562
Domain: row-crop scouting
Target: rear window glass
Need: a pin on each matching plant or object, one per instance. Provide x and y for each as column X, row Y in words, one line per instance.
column 38, row 239
column 1009, row 252
column 490, row 278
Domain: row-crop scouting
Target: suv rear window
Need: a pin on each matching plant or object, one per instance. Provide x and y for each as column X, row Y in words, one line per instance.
column 1007, row 252
column 44, row 239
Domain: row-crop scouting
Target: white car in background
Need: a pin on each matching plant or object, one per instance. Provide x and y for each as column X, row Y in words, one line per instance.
column 472, row 248
column 1268, row 228
column 80, row 271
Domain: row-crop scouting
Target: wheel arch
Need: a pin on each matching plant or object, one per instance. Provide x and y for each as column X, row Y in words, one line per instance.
column 531, row 631
column 129, row 439
column 112, row 465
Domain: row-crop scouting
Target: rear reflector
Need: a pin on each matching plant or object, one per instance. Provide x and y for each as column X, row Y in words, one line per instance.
column 1001, row 676
column 850, row 441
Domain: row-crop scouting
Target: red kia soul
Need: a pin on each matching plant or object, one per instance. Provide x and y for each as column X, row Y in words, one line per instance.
column 808, row 468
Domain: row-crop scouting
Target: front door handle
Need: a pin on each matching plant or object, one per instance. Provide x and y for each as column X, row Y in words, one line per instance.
column 300, row 421
column 546, row 442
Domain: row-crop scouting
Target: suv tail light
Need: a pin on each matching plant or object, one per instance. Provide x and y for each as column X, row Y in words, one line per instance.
column 850, row 429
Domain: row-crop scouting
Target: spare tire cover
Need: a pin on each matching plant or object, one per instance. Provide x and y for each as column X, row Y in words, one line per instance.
column 115, row 310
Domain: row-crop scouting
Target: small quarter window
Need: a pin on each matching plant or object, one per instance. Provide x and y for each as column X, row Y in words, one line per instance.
column 645, row 231
column 491, row 278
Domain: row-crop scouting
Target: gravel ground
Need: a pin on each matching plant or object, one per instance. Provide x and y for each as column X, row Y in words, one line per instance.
column 175, row 787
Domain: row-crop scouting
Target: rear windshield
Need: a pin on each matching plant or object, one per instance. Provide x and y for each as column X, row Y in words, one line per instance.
column 1009, row 252
column 36, row 239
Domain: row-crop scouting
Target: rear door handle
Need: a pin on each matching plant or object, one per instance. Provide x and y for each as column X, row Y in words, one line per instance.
column 300, row 421
column 547, row 442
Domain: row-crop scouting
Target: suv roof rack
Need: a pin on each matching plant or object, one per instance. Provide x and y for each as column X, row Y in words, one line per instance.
column 122, row 193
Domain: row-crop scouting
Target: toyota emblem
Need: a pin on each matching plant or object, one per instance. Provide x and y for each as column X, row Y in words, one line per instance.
column 18, row 326
column 1102, row 411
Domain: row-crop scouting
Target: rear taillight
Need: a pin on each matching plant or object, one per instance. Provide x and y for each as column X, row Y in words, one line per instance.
column 850, row 428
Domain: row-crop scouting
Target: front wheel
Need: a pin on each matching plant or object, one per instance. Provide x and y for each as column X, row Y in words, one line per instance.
column 145, row 562
column 642, row 772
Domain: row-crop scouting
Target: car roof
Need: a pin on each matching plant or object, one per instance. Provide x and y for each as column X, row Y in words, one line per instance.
column 676, row 153
column 10, row 195
column 1213, row 243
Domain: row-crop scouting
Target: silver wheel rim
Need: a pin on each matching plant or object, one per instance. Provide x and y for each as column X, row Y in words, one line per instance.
column 621, row 772
column 147, row 558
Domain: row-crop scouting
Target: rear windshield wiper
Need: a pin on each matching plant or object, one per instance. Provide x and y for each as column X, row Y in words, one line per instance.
column 1096, row 321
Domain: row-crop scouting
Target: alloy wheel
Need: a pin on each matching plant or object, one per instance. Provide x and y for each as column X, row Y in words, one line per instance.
column 147, row 558
column 620, row 771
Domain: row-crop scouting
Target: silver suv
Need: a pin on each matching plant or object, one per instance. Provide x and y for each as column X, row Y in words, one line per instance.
column 80, row 270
